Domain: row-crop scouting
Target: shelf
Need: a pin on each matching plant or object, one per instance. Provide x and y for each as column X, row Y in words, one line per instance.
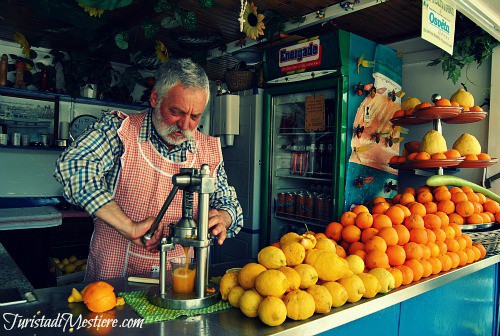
column 37, row 148
column 301, row 219
column 428, row 114
column 316, row 177
column 466, row 118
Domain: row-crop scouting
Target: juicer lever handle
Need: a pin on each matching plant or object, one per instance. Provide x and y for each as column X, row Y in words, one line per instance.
column 148, row 235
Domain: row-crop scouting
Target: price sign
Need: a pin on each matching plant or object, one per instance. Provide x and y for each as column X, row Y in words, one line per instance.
column 315, row 113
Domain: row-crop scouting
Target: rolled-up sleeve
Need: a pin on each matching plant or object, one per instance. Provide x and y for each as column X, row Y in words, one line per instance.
column 224, row 198
column 84, row 168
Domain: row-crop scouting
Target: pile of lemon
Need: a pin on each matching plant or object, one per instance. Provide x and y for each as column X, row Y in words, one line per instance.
column 69, row 265
column 300, row 277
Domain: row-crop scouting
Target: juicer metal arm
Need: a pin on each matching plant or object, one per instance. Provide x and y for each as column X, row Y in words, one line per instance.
column 148, row 235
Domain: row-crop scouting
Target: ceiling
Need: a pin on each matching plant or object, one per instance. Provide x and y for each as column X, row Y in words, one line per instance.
column 63, row 25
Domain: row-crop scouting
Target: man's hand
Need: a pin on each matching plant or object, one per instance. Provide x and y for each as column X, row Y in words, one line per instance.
column 218, row 222
column 141, row 228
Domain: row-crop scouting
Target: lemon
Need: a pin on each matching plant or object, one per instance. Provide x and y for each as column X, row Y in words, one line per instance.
column 299, row 304
column 292, row 276
column 272, row 311
column 308, row 275
column 72, row 258
column 235, row 295
column 385, row 278
column 75, row 296
column 467, row 144
column 325, row 244
column 290, row 237
column 329, row 266
column 354, row 286
column 228, row 281
column 372, row 285
column 463, row 98
column 433, row 142
column 322, row 298
column 249, row 303
column 409, row 103
column 271, row 283
column 69, row 268
column 338, row 293
column 65, row 261
column 356, row 263
column 248, row 273
column 271, row 257
column 294, row 253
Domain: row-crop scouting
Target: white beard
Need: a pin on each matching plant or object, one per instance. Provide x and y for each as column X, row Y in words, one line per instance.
column 166, row 132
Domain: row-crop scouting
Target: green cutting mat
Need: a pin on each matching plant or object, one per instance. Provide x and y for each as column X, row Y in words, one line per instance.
column 151, row 313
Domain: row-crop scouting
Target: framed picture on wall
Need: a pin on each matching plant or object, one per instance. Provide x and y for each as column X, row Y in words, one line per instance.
column 32, row 116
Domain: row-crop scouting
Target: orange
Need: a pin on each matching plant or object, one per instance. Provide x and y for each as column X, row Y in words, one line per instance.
column 422, row 189
column 443, row 102
column 394, row 159
column 439, row 188
column 432, row 221
column 426, row 251
column 443, row 248
column 351, row 233
column 455, row 259
column 446, row 206
column 418, row 236
column 445, row 220
column 356, row 246
column 378, row 199
column 427, row 268
column 452, row 154
column 483, row 156
column 417, row 208
column 410, row 190
column 466, row 189
column 471, row 196
column 340, row 251
column 461, row 242
column 405, row 209
column 424, row 197
column 396, row 254
column 403, row 234
column 434, row 249
column 431, row 236
column 491, row 206
column 450, row 232
column 455, row 218
column 359, row 253
column 471, row 157
column 452, row 245
column 396, row 198
column 477, row 253
column 398, row 113
column 414, row 221
column 486, row 217
column 320, row 235
column 406, row 198
column 490, row 215
column 475, row 109
column 360, row 208
column 380, row 221
column 463, row 258
column 407, row 274
column 481, row 197
column 440, row 234
column 375, row 243
column 455, row 190
column 430, row 207
column 454, row 103
column 412, row 156
column 413, row 250
column 396, row 214
column 478, row 208
column 470, row 254
column 417, row 268
column 401, row 159
column 389, row 234
column 376, row 258
column 334, row 231
column 423, row 156
column 481, row 248
column 437, row 265
column 497, row 217
column 398, row 276
column 380, row 207
column 446, row 262
column 425, row 104
column 468, row 239
column 442, row 195
column 457, row 228
column 438, row 156
column 368, row 233
column 347, row 218
column 458, row 197
column 364, row 220
column 99, row 297
column 474, row 219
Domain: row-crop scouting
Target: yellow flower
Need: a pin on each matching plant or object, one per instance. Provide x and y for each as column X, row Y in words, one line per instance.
column 97, row 12
column 253, row 25
column 161, row 51
column 23, row 43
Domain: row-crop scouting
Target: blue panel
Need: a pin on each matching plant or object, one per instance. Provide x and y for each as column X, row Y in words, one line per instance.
column 381, row 323
column 462, row 307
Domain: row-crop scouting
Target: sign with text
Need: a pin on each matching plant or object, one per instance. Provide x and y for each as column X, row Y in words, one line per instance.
column 438, row 23
column 315, row 113
column 300, row 56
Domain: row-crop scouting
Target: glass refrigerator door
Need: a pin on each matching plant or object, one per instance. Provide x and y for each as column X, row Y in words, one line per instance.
column 301, row 163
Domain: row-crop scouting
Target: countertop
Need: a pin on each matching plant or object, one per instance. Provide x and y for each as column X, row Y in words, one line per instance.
column 10, row 274
column 52, row 306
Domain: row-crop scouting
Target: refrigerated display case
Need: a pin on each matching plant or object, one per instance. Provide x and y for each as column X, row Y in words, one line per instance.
column 312, row 162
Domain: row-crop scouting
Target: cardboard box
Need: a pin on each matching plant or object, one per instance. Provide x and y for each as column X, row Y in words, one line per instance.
column 64, row 279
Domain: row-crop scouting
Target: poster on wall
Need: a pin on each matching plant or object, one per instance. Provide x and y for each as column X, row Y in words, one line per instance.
column 438, row 23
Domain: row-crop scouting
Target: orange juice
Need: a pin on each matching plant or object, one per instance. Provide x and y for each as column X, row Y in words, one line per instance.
column 183, row 280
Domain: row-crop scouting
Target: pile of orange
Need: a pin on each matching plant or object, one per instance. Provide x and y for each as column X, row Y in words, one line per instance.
column 417, row 233
column 449, row 154
column 443, row 102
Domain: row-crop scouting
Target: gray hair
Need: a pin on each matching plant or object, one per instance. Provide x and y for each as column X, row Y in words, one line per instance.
column 183, row 71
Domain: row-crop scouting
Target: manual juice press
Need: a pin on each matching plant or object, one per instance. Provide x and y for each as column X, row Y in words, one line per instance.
column 187, row 233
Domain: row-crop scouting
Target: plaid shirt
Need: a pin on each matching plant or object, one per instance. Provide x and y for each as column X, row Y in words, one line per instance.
column 89, row 169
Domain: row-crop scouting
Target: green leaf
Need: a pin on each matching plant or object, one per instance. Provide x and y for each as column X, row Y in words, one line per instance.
column 121, row 40
column 162, row 6
column 150, row 30
column 189, row 21
column 105, row 4
column 169, row 22
column 206, row 3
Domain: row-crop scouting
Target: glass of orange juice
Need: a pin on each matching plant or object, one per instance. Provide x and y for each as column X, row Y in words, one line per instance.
column 183, row 274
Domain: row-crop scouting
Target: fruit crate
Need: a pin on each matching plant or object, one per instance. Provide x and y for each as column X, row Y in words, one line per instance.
column 490, row 240
column 64, row 279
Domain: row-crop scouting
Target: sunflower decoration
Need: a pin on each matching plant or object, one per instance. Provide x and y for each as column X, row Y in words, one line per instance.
column 161, row 51
column 23, row 43
column 97, row 12
column 252, row 22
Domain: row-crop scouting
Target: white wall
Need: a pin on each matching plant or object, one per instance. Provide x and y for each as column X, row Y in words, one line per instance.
column 494, row 134
column 422, row 81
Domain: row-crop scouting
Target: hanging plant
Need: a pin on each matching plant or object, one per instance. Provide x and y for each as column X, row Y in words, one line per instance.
column 104, row 4
column 121, row 40
column 471, row 44
column 150, row 29
column 206, row 3
column 187, row 20
column 253, row 24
